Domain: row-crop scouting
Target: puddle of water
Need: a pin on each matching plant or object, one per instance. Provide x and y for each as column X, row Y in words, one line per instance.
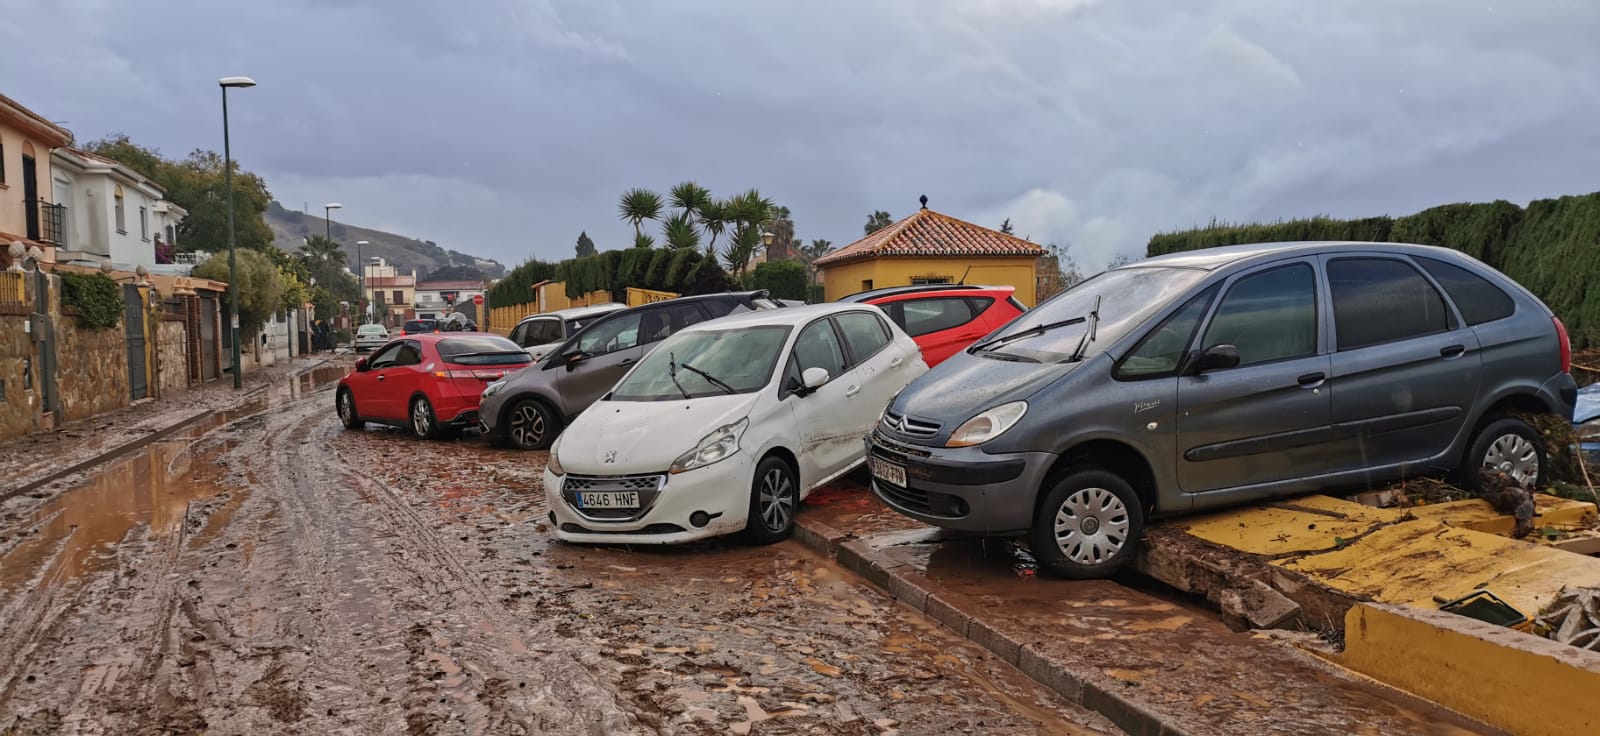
column 153, row 487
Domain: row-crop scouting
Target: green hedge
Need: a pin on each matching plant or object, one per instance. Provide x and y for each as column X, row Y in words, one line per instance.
column 1552, row 246
column 97, row 298
column 517, row 286
column 783, row 279
column 678, row 270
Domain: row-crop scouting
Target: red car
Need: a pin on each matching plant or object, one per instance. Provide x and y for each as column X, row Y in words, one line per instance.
column 428, row 383
column 944, row 318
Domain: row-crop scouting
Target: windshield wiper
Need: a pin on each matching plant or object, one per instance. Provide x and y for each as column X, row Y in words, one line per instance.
column 713, row 380
column 1030, row 332
column 672, row 373
column 1088, row 336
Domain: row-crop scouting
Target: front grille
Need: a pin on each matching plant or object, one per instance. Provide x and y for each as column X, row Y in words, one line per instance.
column 908, row 498
column 908, row 426
column 891, row 450
column 648, row 486
column 572, row 528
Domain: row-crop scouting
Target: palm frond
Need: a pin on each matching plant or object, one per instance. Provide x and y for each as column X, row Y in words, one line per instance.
column 680, row 232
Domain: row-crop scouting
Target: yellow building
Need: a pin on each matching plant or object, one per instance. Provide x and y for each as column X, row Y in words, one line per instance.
column 931, row 248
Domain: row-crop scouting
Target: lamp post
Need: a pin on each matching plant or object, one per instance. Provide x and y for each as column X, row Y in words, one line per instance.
column 327, row 218
column 361, row 279
column 227, row 183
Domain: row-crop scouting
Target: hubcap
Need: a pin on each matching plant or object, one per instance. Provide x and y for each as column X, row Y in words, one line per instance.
column 1515, row 456
column 346, row 411
column 527, row 426
column 777, row 500
column 1091, row 526
column 419, row 417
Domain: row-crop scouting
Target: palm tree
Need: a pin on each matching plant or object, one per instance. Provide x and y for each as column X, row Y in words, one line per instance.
column 319, row 248
column 749, row 210
column 878, row 220
column 679, row 231
column 643, row 241
column 714, row 218
column 742, row 245
column 817, row 249
column 638, row 205
column 689, row 197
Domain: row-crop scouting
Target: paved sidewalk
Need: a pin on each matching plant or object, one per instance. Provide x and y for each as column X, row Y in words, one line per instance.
column 1151, row 664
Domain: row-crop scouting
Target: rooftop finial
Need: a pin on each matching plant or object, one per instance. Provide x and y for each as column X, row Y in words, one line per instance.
column 924, row 200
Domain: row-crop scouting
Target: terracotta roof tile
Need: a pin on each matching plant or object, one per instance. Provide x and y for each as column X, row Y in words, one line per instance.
column 930, row 233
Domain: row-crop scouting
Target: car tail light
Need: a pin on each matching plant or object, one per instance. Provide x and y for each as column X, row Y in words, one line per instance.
column 471, row 374
column 1566, row 345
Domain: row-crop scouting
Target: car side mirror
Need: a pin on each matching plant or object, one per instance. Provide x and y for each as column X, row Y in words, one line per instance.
column 362, row 366
column 572, row 357
column 1219, row 357
column 813, row 377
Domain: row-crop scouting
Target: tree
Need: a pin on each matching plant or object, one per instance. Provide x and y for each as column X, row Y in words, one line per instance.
column 783, row 240
column 817, row 249
column 1057, row 272
column 638, row 205
column 714, row 219
column 643, row 241
column 878, row 220
column 783, row 279
column 197, row 185
column 679, row 231
column 688, row 198
column 748, row 212
column 320, row 248
column 454, row 272
column 741, row 247
column 585, row 245
column 1121, row 260
column 259, row 283
column 1005, row 227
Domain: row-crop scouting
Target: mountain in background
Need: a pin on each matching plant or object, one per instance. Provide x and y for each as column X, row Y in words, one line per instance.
column 291, row 228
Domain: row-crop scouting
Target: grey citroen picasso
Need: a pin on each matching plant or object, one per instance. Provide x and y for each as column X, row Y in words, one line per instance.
column 1197, row 380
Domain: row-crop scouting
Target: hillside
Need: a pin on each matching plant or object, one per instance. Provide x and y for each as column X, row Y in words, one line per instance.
column 290, row 228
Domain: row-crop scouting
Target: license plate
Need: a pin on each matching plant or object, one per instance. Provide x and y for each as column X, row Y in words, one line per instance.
column 609, row 500
column 887, row 472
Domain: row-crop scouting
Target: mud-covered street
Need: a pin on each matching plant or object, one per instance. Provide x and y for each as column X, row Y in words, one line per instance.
column 276, row 574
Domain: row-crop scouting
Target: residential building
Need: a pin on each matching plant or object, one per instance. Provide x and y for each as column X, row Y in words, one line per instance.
column 931, row 248
column 437, row 298
column 397, row 291
column 28, row 209
column 113, row 214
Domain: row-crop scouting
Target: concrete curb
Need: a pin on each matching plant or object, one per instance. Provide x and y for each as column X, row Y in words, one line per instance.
column 962, row 615
column 145, row 441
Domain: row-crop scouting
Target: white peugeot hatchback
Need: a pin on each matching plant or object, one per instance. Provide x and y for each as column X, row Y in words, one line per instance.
column 728, row 425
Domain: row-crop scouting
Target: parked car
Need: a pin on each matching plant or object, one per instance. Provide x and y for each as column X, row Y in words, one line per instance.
column 371, row 337
column 457, row 322
column 530, row 407
column 539, row 333
column 780, row 402
column 427, row 383
column 1586, row 423
column 419, row 327
column 1202, row 379
column 944, row 318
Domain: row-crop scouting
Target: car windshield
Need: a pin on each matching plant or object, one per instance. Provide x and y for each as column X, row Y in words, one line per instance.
column 706, row 363
column 1058, row 329
column 372, row 330
column 482, row 350
column 578, row 323
column 421, row 325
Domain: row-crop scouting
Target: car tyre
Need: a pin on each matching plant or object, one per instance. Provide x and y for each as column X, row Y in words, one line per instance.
column 1088, row 525
column 424, row 423
column 530, row 425
column 348, row 416
column 1511, row 446
column 774, row 500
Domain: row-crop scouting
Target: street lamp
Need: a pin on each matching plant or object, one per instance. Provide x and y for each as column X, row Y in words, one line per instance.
column 233, row 273
column 361, row 278
column 327, row 219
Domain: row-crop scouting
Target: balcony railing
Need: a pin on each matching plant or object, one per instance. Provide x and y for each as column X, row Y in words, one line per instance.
column 47, row 222
column 186, row 259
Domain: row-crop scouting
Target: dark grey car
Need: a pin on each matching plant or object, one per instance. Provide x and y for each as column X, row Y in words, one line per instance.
column 527, row 409
column 1197, row 380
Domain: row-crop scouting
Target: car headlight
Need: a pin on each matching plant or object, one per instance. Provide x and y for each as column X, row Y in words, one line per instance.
column 1589, row 431
column 987, row 425
column 715, row 447
column 554, row 463
column 493, row 387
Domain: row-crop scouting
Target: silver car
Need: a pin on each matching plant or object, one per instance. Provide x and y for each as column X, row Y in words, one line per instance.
column 539, row 333
column 1222, row 376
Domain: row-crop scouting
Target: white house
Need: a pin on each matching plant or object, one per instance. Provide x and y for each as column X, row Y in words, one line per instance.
column 435, row 299
column 113, row 214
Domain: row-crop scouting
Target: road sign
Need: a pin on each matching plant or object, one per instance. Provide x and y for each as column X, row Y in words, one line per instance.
column 477, row 299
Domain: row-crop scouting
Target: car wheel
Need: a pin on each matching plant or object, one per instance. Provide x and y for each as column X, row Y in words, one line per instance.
column 423, row 422
column 1088, row 525
column 774, row 499
column 347, row 411
column 1510, row 446
column 530, row 425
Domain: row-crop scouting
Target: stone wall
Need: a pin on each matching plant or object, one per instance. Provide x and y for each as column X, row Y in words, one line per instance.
column 93, row 369
column 172, row 358
column 19, row 407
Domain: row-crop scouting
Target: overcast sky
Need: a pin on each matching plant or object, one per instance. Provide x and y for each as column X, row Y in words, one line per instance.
column 504, row 127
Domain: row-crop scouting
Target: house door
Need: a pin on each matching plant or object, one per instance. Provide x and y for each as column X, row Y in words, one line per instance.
column 30, row 195
column 133, row 327
column 45, row 370
column 208, row 338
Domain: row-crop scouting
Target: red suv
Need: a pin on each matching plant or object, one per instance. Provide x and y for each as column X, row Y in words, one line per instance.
column 430, row 384
column 944, row 318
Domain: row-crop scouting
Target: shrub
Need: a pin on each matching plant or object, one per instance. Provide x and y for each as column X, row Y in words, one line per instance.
column 97, row 298
column 783, row 279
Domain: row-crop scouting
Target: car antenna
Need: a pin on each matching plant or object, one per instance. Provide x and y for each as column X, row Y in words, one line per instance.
column 963, row 281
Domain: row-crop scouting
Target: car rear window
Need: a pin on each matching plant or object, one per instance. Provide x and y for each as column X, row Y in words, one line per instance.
column 421, row 325
column 482, row 350
column 1380, row 300
column 372, row 330
column 1479, row 300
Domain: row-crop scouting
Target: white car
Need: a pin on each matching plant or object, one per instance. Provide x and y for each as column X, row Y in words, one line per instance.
column 540, row 333
column 728, row 425
column 371, row 337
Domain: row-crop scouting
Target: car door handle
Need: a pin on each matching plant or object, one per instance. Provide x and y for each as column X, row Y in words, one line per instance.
column 1452, row 351
column 626, row 363
column 1312, row 380
column 852, row 391
column 896, row 362
column 380, row 376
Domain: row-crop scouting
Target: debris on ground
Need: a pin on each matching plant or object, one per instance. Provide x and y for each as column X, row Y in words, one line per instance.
column 1572, row 618
column 1508, row 496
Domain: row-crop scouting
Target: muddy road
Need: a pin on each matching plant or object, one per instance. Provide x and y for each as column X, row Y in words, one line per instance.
column 278, row 575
